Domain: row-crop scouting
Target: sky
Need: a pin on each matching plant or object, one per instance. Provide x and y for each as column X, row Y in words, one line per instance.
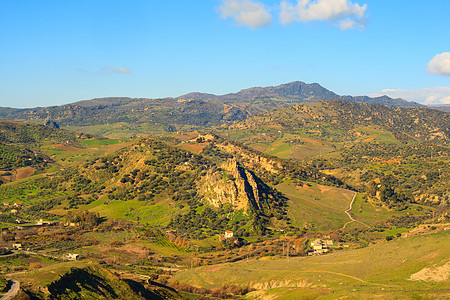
column 58, row 52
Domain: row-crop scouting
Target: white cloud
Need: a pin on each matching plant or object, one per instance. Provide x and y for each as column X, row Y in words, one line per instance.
column 440, row 64
column 245, row 13
column 343, row 13
column 437, row 95
column 121, row 70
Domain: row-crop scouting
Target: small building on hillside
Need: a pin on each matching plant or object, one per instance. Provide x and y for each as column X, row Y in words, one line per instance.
column 228, row 234
column 317, row 244
column 17, row 246
column 73, row 256
column 321, row 246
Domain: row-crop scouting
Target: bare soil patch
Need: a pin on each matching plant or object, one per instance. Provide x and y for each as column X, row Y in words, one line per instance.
column 187, row 136
column 6, row 178
column 17, row 174
column 436, row 274
column 197, row 148
column 24, row 172
column 115, row 147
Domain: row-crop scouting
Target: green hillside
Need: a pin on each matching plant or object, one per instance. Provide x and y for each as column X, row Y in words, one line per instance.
column 24, row 145
column 145, row 181
column 383, row 271
column 341, row 121
column 397, row 155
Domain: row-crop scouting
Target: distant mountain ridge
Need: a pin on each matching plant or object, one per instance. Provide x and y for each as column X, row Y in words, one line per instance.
column 296, row 92
column 193, row 109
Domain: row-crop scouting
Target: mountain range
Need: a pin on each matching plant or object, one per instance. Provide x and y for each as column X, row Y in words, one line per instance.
column 296, row 92
column 193, row 109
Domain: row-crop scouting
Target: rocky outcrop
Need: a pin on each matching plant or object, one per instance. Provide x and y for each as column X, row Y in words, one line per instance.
column 50, row 123
column 235, row 185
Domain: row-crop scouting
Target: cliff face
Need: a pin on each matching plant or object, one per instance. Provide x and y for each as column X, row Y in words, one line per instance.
column 237, row 186
column 217, row 189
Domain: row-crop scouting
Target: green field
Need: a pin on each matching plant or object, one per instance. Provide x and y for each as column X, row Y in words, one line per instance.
column 381, row 271
column 368, row 213
column 158, row 213
column 96, row 142
column 119, row 130
column 316, row 207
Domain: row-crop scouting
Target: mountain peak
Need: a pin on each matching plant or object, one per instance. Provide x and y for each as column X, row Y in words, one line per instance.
column 296, row 92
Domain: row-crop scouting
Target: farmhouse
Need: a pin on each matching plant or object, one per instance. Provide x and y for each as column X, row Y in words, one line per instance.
column 17, row 246
column 73, row 256
column 320, row 246
column 228, row 234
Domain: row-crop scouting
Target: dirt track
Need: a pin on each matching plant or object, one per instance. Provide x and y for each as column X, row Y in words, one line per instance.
column 347, row 211
column 12, row 291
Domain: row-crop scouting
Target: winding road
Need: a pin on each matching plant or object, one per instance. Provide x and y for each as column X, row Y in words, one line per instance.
column 15, row 286
column 347, row 211
column 10, row 254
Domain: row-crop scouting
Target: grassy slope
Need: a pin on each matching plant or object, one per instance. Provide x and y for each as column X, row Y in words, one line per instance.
column 379, row 271
column 368, row 213
column 44, row 276
column 134, row 210
column 317, row 205
column 322, row 208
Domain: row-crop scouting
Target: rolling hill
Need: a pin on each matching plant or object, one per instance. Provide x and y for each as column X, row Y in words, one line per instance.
column 396, row 153
column 404, row 268
column 21, row 144
column 340, row 120
column 152, row 175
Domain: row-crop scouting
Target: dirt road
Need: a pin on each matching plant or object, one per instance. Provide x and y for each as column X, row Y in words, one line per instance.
column 15, row 285
column 347, row 211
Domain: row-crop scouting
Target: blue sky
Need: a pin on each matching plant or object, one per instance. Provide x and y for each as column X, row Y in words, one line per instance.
column 57, row 52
